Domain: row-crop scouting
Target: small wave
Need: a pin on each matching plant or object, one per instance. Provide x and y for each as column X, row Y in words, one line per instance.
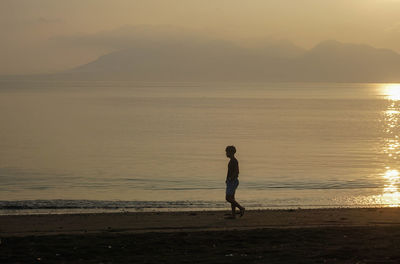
column 94, row 204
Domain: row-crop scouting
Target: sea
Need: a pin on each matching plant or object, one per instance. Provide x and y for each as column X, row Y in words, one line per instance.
column 102, row 146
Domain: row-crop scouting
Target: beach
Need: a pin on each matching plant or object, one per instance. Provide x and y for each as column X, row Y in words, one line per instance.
column 369, row 235
column 131, row 131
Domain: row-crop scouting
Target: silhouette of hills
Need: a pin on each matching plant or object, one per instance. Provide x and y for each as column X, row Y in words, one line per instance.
column 334, row 61
column 214, row 60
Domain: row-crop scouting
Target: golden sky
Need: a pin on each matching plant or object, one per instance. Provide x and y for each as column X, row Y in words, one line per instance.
column 46, row 35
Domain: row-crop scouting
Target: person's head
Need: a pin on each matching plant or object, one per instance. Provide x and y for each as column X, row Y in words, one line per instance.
column 230, row 151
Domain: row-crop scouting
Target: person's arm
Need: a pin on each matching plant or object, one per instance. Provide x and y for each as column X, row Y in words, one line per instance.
column 228, row 174
column 233, row 170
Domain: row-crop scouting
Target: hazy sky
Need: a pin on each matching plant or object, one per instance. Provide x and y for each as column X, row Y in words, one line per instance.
column 51, row 35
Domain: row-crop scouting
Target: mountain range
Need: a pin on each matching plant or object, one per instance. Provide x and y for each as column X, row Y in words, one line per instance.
column 215, row 60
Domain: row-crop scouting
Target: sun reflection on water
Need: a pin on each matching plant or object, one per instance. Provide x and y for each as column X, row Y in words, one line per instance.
column 392, row 91
column 391, row 194
column 391, row 148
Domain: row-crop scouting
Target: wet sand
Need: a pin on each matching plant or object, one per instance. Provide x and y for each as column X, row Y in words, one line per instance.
column 268, row 236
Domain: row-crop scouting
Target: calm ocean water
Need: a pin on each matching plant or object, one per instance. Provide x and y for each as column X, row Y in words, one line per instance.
column 68, row 146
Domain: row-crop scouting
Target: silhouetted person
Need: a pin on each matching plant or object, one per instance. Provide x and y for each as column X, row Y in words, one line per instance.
column 232, row 181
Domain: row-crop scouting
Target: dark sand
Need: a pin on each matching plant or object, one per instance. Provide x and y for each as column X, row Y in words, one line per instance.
column 270, row 236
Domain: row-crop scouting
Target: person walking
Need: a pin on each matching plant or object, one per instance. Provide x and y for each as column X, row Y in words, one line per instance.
column 232, row 181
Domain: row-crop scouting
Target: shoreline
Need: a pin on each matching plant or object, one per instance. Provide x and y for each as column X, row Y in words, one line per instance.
column 81, row 211
column 188, row 221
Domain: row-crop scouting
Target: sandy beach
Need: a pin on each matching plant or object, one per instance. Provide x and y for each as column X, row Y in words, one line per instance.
column 265, row 236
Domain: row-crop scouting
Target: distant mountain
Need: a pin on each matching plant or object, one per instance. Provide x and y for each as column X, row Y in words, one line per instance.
column 334, row 61
column 329, row 61
column 281, row 49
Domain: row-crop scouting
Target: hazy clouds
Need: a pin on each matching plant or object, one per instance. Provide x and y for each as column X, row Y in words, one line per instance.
column 51, row 35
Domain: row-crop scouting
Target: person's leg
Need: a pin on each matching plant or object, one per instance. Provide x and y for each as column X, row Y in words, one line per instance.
column 241, row 208
column 235, row 204
column 233, row 209
column 230, row 198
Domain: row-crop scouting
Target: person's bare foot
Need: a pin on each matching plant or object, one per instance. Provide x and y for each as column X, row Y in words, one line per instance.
column 242, row 211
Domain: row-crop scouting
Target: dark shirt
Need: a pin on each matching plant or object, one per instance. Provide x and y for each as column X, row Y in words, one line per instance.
column 233, row 170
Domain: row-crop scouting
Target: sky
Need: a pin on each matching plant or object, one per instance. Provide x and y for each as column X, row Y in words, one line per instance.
column 45, row 36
